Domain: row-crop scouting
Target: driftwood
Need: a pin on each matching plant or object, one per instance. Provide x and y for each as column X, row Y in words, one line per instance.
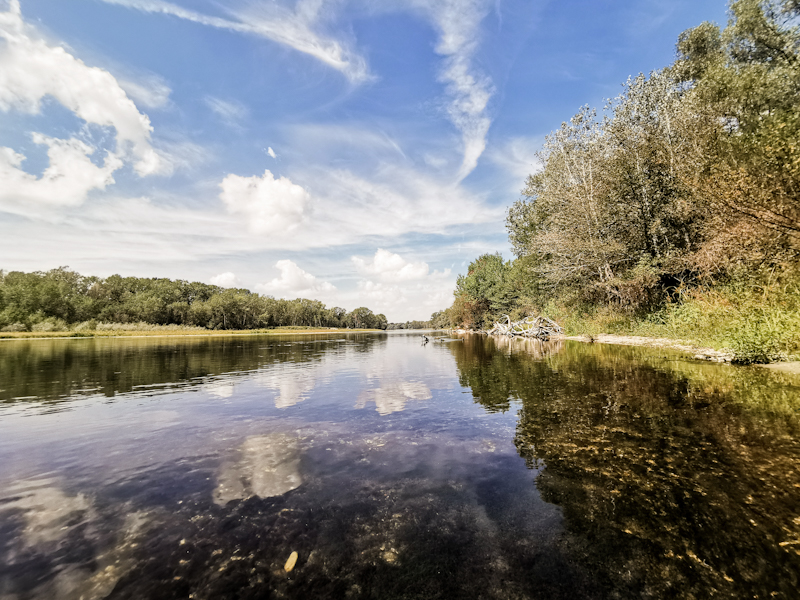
column 530, row 327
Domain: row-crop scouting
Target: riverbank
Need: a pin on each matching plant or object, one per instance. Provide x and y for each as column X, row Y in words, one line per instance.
column 698, row 352
column 752, row 319
column 172, row 332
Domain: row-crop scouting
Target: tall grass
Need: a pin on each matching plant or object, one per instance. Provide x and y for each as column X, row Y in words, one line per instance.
column 757, row 323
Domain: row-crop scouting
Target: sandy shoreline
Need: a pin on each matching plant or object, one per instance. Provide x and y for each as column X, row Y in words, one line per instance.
column 697, row 352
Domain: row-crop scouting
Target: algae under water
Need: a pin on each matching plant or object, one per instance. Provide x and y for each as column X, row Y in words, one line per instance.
column 373, row 466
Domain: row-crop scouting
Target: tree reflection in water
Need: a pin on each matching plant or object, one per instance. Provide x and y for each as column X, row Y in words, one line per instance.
column 675, row 479
column 654, row 476
column 67, row 369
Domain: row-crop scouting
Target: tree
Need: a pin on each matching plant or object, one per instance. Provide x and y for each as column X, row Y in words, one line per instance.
column 364, row 318
column 748, row 79
column 482, row 294
column 564, row 214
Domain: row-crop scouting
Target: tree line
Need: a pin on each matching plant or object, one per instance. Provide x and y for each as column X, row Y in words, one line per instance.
column 60, row 298
column 686, row 181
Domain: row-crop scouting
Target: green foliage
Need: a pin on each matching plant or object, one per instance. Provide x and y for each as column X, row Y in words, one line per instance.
column 364, row 318
column 60, row 300
column 756, row 345
column 440, row 317
column 484, row 293
column 440, row 320
column 646, row 218
column 627, row 442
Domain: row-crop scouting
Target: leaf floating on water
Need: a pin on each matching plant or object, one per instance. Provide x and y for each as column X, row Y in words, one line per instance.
column 291, row 562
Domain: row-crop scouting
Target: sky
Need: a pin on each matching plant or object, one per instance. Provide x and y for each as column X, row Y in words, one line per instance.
column 358, row 152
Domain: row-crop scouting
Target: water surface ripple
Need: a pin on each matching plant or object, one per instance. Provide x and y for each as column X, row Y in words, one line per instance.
column 480, row 468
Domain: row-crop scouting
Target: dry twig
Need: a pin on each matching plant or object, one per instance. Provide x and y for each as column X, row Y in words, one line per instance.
column 531, row 327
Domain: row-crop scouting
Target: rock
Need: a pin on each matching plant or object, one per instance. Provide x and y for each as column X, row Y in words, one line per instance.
column 291, row 562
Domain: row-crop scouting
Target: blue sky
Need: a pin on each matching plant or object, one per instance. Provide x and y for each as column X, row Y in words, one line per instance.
column 361, row 152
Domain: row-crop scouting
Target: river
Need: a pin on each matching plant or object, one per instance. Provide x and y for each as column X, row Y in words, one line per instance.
column 476, row 468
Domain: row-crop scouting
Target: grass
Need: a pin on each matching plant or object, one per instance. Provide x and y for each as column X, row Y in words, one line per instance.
column 757, row 323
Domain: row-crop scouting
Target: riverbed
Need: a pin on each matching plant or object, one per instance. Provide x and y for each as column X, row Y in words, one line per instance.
column 467, row 468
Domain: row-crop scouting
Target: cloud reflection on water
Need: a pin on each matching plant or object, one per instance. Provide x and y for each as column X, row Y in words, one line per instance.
column 60, row 531
column 392, row 396
column 291, row 384
column 268, row 465
column 220, row 388
column 47, row 511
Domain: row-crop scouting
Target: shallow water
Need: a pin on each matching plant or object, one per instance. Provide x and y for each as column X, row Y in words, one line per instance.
column 186, row 467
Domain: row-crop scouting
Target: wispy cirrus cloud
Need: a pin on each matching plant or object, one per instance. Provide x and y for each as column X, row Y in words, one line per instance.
column 469, row 90
column 231, row 112
column 394, row 200
column 149, row 91
column 517, row 157
column 293, row 28
column 458, row 23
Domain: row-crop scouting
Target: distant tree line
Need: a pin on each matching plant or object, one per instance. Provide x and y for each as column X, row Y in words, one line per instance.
column 61, row 298
column 410, row 325
column 688, row 180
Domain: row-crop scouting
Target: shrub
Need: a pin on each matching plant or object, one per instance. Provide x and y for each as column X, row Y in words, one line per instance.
column 756, row 347
column 50, row 324
column 90, row 325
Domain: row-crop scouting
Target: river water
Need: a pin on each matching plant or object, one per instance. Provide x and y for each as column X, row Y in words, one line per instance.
column 478, row 468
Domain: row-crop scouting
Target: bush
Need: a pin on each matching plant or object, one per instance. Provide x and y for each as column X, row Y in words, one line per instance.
column 756, row 347
column 142, row 326
column 15, row 328
column 50, row 324
column 90, row 325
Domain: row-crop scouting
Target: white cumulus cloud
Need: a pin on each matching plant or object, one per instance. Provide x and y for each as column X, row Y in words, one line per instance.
column 270, row 205
column 31, row 69
column 65, row 182
column 271, row 152
column 391, row 267
column 404, row 289
column 225, row 280
column 410, row 300
column 294, row 282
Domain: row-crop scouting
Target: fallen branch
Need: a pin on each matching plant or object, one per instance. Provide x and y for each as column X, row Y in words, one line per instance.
column 530, row 327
